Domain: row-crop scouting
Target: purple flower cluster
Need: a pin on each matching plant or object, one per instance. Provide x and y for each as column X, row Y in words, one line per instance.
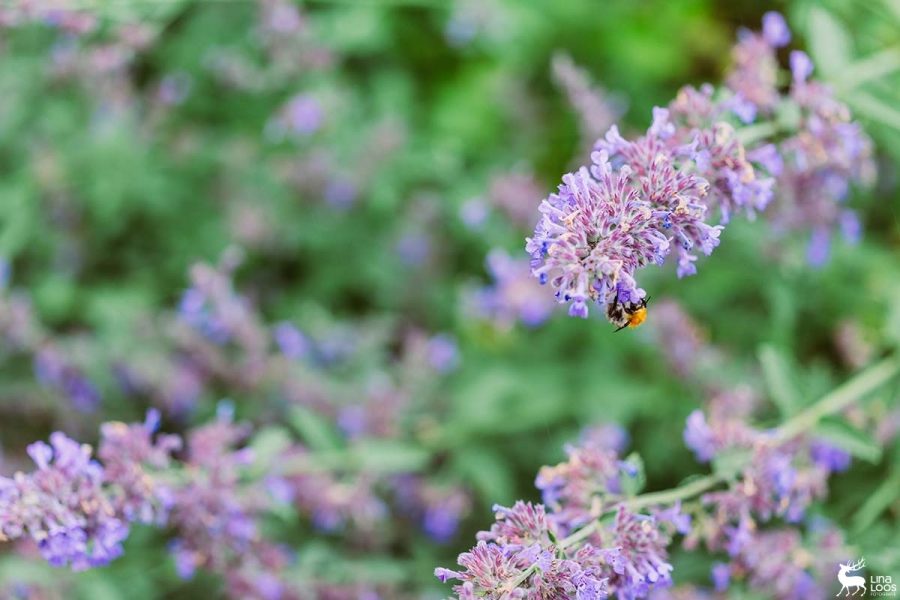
column 597, row 110
column 59, row 15
column 814, row 152
column 55, row 365
column 63, row 506
column 215, row 516
column 438, row 508
column 775, row 479
column 213, row 494
column 526, row 553
column 302, row 115
column 677, row 186
column 213, row 308
column 77, row 510
column 593, row 235
column 55, row 372
column 131, row 455
column 638, row 197
column 513, row 296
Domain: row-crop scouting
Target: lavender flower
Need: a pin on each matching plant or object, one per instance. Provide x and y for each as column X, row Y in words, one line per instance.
column 513, row 296
column 302, row 115
column 54, row 371
column 593, row 235
column 215, row 517
column 829, row 457
column 514, row 194
column 639, row 197
column 821, row 154
column 438, row 508
column 291, row 341
column 443, row 353
column 212, row 308
column 525, row 553
column 77, row 510
column 721, row 576
column 690, row 167
column 596, row 109
column 63, row 506
column 130, row 458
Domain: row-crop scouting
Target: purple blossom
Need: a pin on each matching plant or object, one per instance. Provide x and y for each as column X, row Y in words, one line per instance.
column 637, row 199
column 525, row 554
column 775, row 30
column 699, row 437
column 513, row 296
column 291, row 341
column 64, row 506
column 54, row 371
column 473, row 213
column 340, row 193
column 721, row 576
column 443, row 353
column 801, row 66
column 829, row 457
column 303, row 115
column 642, row 555
column 593, row 236
column 850, row 226
column 605, row 436
column 597, row 110
column 818, row 248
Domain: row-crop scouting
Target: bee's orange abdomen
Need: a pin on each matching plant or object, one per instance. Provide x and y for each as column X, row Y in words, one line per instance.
column 637, row 317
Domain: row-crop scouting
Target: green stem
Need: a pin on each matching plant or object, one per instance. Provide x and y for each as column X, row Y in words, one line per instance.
column 755, row 133
column 867, row 69
column 839, row 399
column 835, row 401
column 684, row 492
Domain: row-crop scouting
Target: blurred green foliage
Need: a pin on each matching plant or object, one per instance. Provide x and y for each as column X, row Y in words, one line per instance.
column 106, row 200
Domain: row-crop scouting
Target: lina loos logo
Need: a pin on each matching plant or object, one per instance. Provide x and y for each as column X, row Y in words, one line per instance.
column 876, row 586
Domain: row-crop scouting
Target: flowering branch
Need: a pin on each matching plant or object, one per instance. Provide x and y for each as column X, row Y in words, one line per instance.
column 710, row 155
column 839, row 399
column 526, row 537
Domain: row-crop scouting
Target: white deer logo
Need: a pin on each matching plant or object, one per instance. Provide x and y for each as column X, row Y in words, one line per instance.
column 856, row 582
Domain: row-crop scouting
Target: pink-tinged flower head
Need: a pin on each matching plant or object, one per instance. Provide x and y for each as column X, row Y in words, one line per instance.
column 514, row 295
column 63, row 506
column 593, row 235
column 642, row 555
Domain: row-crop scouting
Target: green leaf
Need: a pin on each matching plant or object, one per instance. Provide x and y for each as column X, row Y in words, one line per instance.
column 729, row 463
column 892, row 320
column 317, row 432
column 829, row 43
column 854, row 441
column 777, row 375
column 879, row 501
column 267, row 446
column 632, row 475
column 390, row 456
column 487, row 472
column 874, row 109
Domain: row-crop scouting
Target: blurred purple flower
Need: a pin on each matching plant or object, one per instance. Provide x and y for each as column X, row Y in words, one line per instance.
column 443, row 353
column 291, row 341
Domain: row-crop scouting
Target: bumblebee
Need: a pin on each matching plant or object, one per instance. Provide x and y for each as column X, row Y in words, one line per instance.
column 630, row 314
